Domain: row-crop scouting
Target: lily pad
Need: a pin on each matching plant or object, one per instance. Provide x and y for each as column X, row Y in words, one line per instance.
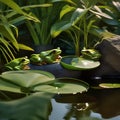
column 110, row 85
column 71, row 85
column 78, row 63
column 24, row 81
column 39, row 81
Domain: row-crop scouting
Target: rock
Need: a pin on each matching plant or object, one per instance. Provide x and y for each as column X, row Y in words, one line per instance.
column 57, row 70
column 110, row 60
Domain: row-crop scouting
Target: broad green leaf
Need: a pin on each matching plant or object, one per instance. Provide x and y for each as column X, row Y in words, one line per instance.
column 33, row 107
column 64, row 86
column 24, row 80
column 60, row 27
column 77, row 15
column 78, row 63
column 66, row 9
column 6, row 86
column 39, row 81
column 109, row 85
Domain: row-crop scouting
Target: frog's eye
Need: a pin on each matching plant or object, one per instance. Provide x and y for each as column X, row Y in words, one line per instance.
column 87, row 52
column 23, row 59
column 53, row 51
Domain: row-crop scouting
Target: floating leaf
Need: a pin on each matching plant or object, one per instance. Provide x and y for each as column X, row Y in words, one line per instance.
column 110, row 85
column 78, row 63
column 65, row 86
column 24, row 81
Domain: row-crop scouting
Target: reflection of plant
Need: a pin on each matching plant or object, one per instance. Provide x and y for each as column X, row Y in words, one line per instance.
column 8, row 30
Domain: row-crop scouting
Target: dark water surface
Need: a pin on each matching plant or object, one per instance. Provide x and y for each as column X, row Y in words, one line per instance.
column 96, row 104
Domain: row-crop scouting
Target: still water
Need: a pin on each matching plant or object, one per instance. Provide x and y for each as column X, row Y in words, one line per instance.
column 100, row 104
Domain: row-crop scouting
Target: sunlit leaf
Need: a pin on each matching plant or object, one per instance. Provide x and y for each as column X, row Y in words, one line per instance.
column 78, row 63
column 24, row 81
column 25, row 47
column 110, row 85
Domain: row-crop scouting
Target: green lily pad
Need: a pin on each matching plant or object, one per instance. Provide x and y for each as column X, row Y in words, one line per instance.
column 24, row 81
column 71, row 85
column 110, row 85
column 29, row 81
column 78, row 63
column 64, row 86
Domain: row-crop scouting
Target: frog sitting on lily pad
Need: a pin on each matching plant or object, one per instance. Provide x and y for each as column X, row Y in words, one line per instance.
column 46, row 57
column 18, row 64
column 91, row 54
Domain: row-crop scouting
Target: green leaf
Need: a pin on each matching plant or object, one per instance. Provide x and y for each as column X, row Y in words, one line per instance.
column 33, row 107
column 78, row 63
column 67, row 1
column 16, row 8
column 24, row 47
column 7, row 33
column 60, row 27
column 109, row 85
column 20, row 79
column 39, row 81
column 66, row 9
column 64, row 86
column 77, row 15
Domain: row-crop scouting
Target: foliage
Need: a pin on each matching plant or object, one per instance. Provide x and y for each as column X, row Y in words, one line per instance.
column 80, row 20
column 48, row 15
column 10, row 14
column 39, row 89
column 34, row 107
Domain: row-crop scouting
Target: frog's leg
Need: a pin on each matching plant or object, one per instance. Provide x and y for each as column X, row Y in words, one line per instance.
column 8, row 68
column 48, row 60
column 18, row 68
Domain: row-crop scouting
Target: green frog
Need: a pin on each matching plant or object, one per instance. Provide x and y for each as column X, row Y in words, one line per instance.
column 91, row 54
column 46, row 57
column 18, row 64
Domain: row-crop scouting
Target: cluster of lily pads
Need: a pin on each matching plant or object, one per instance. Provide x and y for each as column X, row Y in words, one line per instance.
column 39, row 87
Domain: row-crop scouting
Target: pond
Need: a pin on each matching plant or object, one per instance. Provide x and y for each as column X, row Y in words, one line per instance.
column 100, row 104
column 31, row 99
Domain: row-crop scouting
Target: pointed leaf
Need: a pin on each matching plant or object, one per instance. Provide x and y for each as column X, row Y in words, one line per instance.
column 25, row 47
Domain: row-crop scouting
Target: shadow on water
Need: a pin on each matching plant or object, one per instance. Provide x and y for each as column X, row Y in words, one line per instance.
column 96, row 104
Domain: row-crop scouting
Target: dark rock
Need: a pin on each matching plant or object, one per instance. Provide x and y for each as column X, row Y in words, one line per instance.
column 110, row 60
column 57, row 70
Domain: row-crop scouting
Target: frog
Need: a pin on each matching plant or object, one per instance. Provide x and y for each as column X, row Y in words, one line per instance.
column 91, row 54
column 46, row 57
column 18, row 64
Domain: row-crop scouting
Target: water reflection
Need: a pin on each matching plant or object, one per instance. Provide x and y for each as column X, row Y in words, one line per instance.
column 92, row 105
